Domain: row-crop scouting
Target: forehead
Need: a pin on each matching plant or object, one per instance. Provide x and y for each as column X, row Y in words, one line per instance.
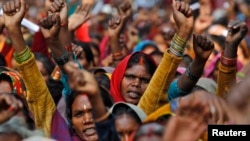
column 137, row 68
column 81, row 100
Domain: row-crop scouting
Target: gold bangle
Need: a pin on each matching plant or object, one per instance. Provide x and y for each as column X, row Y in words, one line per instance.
column 103, row 117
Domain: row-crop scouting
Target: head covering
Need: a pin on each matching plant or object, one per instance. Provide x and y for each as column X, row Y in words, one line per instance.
column 141, row 45
column 16, row 80
column 117, row 76
column 136, row 109
column 208, row 84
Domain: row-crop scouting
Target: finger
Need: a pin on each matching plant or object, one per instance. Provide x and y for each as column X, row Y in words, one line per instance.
column 57, row 4
column 22, row 5
column 52, row 8
column 57, row 23
column 12, row 6
column 70, row 67
column 78, row 8
column 17, row 4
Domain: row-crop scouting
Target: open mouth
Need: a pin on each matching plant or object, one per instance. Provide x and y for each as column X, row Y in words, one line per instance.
column 89, row 131
column 134, row 95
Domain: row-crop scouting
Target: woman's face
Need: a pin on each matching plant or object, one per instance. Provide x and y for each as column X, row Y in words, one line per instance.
column 125, row 126
column 43, row 70
column 134, row 83
column 82, row 119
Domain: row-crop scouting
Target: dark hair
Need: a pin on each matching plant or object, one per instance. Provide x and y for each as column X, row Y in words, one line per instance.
column 48, row 64
column 156, row 52
column 2, row 60
column 86, row 48
column 147, row 60
column 69, row 103
column 95, row 46
column 106, row 97
column 55, row 89
column 122, row 109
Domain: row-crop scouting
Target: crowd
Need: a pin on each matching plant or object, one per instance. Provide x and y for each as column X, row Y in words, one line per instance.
column 129, row 70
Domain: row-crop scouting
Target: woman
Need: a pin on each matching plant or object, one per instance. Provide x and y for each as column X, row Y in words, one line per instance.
column 128, row 118
column 15, row 117
column 45, row 65
column 131, row 77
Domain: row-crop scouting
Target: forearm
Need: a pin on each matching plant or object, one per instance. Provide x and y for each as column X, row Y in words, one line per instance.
column 189, row 79
column 65, row 36
column 99, row 109
column 17, row 39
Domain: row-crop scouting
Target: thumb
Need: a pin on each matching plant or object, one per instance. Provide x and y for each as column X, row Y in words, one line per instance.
column 23, row 5
column 70, row 67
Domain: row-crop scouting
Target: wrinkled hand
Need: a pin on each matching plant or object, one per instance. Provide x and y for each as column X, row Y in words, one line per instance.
column 219, row 112
column 59, row 6
column 237, row 30
column 9, row 106
column 50, row 26
column 183, row 17
column 14, row 12
column 81, row 15
column 81, row 81
column 203, row 47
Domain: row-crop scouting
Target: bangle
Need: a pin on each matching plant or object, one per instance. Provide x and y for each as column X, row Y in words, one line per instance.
column 190, row 75
column 64, row 23
column 117, row 54
column 103, row 117
column 227, row 61
column 23, row 56
column 179, row 41
column 63, row 59
column 69, row 48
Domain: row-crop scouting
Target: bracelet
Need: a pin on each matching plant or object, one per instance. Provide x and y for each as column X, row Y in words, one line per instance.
column 63, row 59
column 190, row 75
column 23, row 56
column 228, row 61
column 103, row 117
column 64, row 23
column 179, row 41
column 117, row 54
column 172, row 50
column 69, row 48
column 177, row 47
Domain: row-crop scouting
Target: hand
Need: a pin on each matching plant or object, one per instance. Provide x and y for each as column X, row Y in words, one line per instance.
column 9, row 106
column 219, row 112
column 81, row 15
column 188, row 125
column 81, row 81
column 125, row 10
column 61, row 7
column 50, row 26
column 14, row 12
column 203, row 47
column 183, row 17
column 115, row 26
column 237, row 30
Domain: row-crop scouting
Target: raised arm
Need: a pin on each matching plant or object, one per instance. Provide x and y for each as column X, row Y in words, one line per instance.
column 116, row 27
column 237, row 30
column 38, row 97
column 156, row 93
column 203, row 47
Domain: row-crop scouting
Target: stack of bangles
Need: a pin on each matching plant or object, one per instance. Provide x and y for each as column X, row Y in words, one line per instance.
column 177, row 46
column 63, row 59
column 23, row 56
column 228, row 61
